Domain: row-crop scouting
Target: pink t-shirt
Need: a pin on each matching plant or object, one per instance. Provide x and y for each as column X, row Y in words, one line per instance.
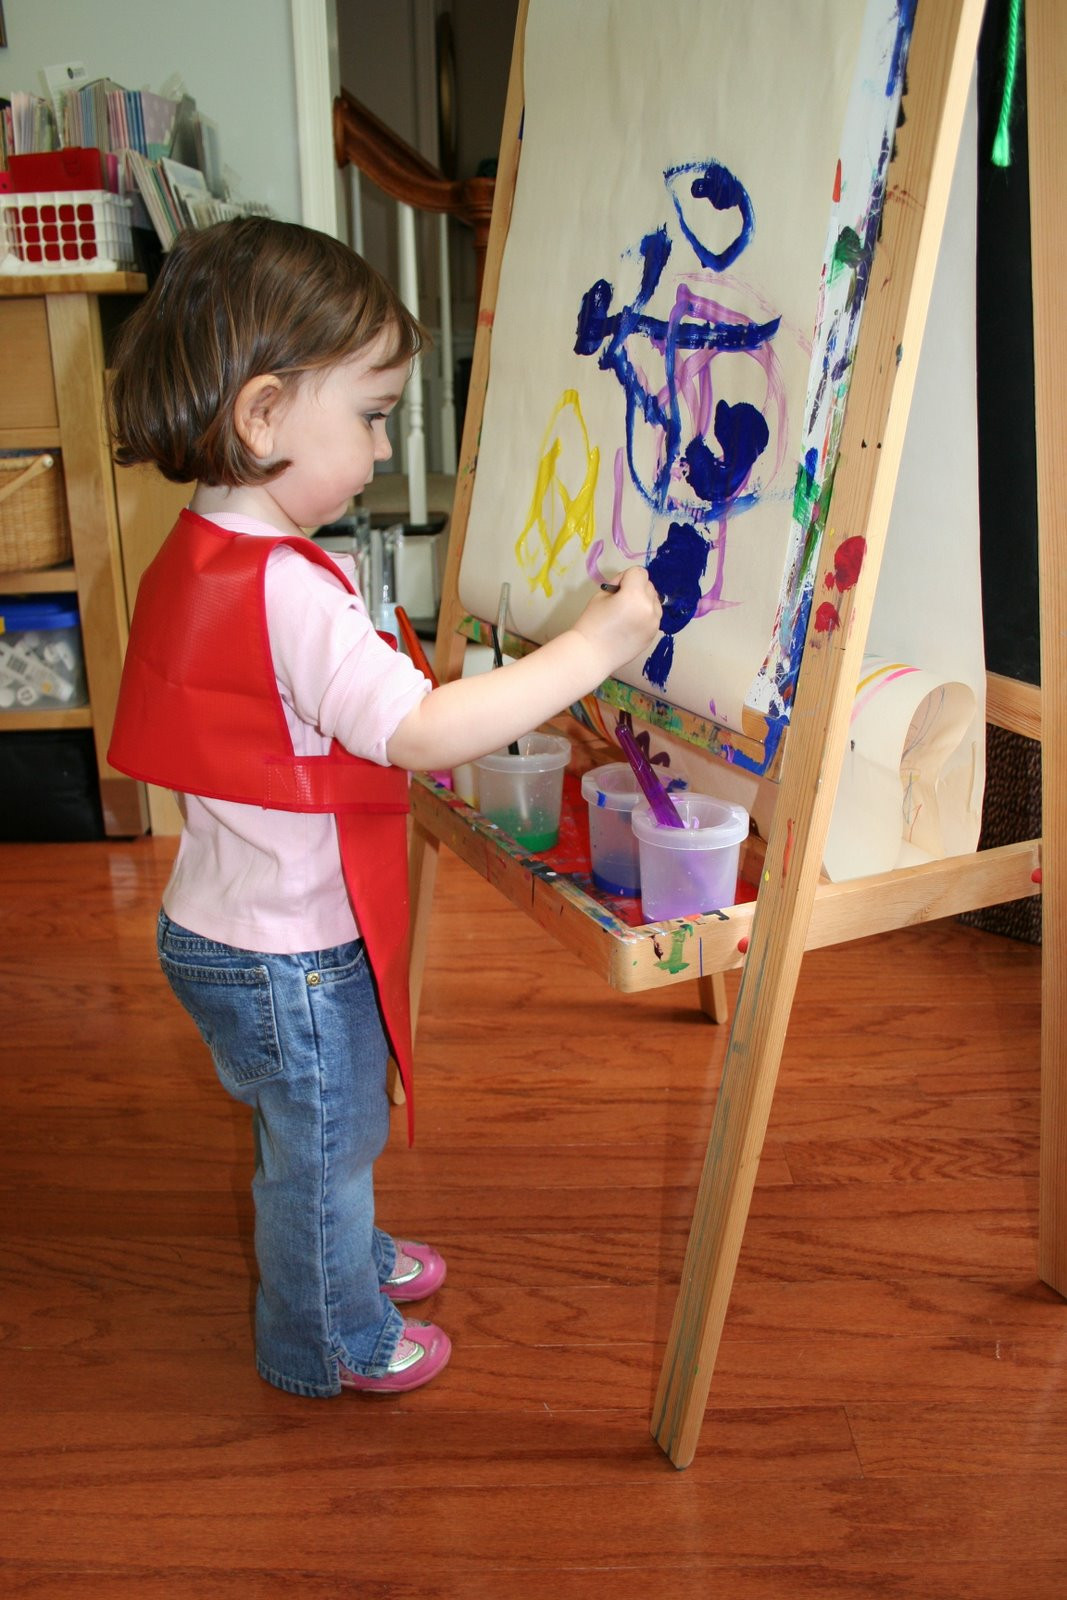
column 271, row 880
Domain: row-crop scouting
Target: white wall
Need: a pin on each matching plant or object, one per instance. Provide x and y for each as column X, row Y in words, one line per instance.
column 484, row 34
column 235, row 57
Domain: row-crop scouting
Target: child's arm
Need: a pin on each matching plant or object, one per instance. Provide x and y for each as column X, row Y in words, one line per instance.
column 466, row 719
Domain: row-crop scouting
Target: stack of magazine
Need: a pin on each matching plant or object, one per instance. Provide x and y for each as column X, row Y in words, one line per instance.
column 175, row 196
column 155, row 149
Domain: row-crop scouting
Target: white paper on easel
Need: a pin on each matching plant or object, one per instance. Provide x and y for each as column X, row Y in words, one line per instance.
column 914, row 770
column 687, row 172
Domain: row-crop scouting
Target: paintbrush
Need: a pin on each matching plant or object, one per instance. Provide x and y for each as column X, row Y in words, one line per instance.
column 498, row 654
column 660, row 802
column 613, row 588
column 414, row 646
column 521, row 798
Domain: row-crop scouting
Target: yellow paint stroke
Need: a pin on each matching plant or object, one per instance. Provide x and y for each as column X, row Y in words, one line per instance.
column 556, row 516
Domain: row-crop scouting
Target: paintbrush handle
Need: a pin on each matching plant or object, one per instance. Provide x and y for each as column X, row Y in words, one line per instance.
column 414, row 645
column 498, row 653
column 498, row 661
column 663, row 807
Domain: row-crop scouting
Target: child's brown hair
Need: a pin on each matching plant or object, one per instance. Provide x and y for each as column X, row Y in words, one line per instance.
column 233, row 302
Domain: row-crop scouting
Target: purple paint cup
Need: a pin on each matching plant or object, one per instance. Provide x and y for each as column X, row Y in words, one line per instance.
column 691, row 869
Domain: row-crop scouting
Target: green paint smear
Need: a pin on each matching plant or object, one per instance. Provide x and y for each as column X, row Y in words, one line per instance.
column 848, row 253
column 673, row 961
column 810, row 505
column 805, row 495
column 687, row 726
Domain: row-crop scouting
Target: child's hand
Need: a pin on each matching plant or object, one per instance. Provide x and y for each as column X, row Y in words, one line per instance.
column 623, row 624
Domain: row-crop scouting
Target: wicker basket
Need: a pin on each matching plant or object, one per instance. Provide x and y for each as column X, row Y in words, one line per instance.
column 34, row 530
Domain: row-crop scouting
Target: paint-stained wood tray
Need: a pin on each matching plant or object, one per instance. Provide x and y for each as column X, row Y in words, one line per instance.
column 555, row 888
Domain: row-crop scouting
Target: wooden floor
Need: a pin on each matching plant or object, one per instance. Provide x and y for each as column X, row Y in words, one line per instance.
column 889, row 1415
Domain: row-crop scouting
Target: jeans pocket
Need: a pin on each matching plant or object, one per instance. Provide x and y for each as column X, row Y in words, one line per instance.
column 233, row 1007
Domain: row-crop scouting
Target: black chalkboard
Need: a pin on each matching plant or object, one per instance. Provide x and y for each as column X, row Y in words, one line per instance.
column 1006, row 444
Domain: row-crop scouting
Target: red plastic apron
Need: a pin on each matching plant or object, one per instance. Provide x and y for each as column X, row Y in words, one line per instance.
column 199, row 711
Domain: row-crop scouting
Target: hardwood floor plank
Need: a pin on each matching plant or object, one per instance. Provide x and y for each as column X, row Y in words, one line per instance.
column 503, row 1378
column 946, row 1157
column 961, row 1440
column 885, row 1306
column 1016, row 1580
column 475, row 1531
column 406, row 1451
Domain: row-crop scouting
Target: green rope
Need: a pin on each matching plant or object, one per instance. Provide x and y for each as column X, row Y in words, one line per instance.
column 1002, row 141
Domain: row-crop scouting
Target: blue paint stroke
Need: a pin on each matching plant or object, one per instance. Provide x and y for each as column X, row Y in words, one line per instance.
column 741, row 431
column 676, row 570
column 905, row 24
column 717, row 185
column 707, row 447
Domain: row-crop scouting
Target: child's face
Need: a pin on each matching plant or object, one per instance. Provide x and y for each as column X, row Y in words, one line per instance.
column 332, row 431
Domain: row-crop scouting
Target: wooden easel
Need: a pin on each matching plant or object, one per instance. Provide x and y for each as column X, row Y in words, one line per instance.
column 794, row 911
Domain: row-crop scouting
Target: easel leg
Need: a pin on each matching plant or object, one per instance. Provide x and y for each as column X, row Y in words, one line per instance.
column 422, row 874
column 1046, row 62
column 742, row 1110
column 711, row 990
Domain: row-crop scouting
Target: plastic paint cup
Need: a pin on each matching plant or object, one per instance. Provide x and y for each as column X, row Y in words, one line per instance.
column 611, row 794
column 465, row 783
column 522, row 794
column 685, row 871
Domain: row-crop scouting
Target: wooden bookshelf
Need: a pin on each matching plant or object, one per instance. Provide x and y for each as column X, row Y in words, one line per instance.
column 52, row 398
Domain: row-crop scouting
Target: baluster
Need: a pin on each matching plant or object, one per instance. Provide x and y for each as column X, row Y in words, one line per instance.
column 415, row 435
column 355, row 209
column 448, row 397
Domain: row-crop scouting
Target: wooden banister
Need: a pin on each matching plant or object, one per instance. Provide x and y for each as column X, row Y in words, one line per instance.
column 364, row 140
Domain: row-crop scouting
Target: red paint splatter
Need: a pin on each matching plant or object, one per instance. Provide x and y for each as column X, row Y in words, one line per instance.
column 837, row 184
column 827, row 618
column 848, row 559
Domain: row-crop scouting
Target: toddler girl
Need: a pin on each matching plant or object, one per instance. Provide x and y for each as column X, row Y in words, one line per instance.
column 262, row 368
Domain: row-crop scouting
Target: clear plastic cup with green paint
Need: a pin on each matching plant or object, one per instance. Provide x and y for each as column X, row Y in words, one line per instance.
column 523, row 793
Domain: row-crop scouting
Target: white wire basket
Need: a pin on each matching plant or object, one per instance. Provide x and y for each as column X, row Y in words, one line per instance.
column 80, row 230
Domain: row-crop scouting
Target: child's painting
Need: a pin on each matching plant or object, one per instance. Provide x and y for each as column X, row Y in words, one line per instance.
column 695, row 213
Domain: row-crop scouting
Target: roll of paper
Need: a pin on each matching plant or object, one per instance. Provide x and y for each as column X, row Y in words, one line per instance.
column 910, row 787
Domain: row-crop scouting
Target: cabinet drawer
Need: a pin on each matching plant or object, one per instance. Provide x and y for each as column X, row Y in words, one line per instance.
column 27, row 398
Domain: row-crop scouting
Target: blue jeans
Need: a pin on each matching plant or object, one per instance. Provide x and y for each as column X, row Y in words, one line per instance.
column 299, row 1039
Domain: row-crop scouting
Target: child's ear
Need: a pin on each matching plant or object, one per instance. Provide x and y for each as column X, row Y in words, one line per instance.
column 255, row 413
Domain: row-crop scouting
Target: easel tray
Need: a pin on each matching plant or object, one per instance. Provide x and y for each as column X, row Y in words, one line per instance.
column 556, row 889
